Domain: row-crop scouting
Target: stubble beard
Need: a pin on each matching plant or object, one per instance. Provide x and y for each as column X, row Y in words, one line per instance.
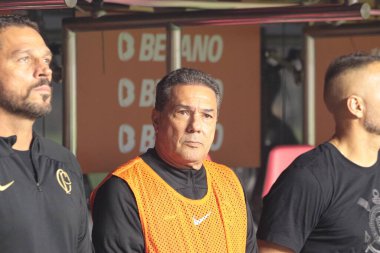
column 371, row 127
column 21, row 106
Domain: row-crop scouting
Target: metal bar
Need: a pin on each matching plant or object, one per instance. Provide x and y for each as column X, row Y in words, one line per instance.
column 70, row 92
column 311, row 13
column 173, row 47
column 40, row 4
column 310, row 91
column 197, row 4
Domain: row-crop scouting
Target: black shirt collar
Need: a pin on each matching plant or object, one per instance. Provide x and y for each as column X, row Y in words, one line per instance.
column 189, row 182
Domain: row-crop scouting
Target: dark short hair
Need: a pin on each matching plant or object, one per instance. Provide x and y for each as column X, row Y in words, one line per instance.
column 184, row 76
column 346, row 63
column 17, row 20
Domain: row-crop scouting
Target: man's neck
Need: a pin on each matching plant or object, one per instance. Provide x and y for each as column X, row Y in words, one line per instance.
column 19, row 126
column 360, row 149
column 190, row 165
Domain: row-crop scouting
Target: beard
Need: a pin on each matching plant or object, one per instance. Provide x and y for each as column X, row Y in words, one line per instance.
column 21, row 106
column 370, row 126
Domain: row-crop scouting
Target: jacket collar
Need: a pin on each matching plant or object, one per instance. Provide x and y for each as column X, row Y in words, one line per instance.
column 6, row 143
column 9, row 141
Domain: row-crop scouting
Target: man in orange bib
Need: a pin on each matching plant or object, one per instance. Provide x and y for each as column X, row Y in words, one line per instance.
column 171, row 199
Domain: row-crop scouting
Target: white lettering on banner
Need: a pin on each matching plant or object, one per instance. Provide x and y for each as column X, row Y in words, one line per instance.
column 215, row 48
column 152, row 47
column 200, row 47
column 146, row 47
column 186, row 48
column 160, row 48
column 147, row 95
column 126, row 138
column 126, row 52
column 195, row 48
column 218, row 140
column 205, row 48
column 126, row 92
column 147, row 138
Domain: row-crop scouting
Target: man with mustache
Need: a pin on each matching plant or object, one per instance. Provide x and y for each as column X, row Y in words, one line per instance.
column 42, row 204
column 171, row 199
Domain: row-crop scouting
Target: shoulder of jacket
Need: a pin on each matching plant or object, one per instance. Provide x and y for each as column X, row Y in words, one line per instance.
column 53, row 150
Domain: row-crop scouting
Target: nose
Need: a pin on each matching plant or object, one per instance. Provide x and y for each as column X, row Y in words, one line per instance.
column 42, row 69
column 195, row 124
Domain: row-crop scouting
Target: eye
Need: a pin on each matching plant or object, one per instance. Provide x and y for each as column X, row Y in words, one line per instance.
column 47, row 61
column 24, row 59
column 208, row 116
column 183, row 112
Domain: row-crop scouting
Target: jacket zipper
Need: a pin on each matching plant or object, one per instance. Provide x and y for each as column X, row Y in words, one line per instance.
column 36, row 177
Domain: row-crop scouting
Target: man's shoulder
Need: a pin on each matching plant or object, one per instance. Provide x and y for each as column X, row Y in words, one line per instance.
column 53, row 150
column 48, row 143
column 217, row 167
column 127, row 167
column 215, row 164
column 314, row 159
column 221, row 171
column 314, row 166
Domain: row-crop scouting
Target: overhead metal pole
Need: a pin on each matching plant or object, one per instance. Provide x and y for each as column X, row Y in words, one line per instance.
column 11, row 5
column 319, row 13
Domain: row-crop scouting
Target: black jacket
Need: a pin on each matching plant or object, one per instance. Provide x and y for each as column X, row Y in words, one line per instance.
column 42, row 205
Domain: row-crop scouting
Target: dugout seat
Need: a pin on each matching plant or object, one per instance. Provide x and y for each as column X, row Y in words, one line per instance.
column 279, row 158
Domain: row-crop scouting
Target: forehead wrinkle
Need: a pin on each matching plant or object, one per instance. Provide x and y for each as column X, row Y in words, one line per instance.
column 46, row 52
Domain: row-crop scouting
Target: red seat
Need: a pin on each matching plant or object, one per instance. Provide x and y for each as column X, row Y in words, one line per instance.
column 280, row 157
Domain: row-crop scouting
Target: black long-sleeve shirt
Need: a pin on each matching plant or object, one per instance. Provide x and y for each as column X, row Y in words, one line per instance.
column 117, row 226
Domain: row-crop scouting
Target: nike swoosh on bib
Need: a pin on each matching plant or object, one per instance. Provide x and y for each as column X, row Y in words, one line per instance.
column 197, row 222
column 4, row 187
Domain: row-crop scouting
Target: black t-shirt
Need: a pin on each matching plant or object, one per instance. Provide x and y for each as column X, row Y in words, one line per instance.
column 324, row 203
column 26, row 158
column 117, row 226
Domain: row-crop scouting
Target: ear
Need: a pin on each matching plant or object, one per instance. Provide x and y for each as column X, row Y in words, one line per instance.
column 155, row 119
column 355, row 106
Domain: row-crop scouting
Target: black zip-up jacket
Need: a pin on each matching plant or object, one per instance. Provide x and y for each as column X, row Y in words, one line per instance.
column 42, row 205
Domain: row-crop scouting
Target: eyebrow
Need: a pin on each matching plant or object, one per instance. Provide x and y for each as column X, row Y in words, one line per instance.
column 190, row 107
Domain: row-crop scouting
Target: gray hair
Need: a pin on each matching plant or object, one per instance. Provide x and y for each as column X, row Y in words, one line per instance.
column 184, row 76
column 17, row 20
